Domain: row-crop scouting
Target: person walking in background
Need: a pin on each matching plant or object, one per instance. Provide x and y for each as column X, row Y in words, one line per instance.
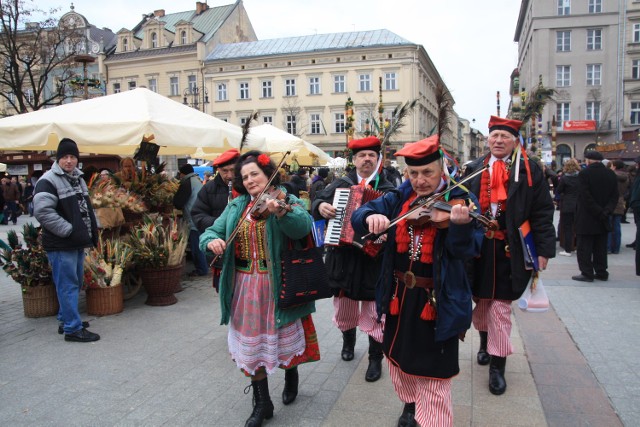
column 568, row 190
column 423, row 290
column 262, row 337
column 352, row 273
column 319, row 183
column 596, row 202
column 184, row 199
column 391, row 174
column 514, row 190
column 12, row 196
column 613, row 240
column 298, row 182
column 634, row 205
column 63, row 207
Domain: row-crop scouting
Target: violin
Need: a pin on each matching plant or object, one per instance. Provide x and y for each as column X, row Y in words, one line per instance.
column 260, row 210
column 438, row 214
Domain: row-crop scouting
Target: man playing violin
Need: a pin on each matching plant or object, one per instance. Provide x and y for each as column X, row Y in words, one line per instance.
column 512, row 191
column 422, row 289
column 352, row 273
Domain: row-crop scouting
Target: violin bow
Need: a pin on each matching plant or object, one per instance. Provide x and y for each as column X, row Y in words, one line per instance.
column 431, row 199
column 236, row 230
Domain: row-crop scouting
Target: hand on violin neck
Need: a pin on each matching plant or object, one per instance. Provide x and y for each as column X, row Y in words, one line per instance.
column 275, row 207
column 377, row 223
column 460, row 214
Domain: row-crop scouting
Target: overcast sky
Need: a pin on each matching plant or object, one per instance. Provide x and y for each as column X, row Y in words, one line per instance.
column 469, row 41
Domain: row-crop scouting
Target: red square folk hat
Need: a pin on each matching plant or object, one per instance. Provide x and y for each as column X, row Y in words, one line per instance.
column 422, row 152
column 511, row 126
column 369, row 143
column 225, row 158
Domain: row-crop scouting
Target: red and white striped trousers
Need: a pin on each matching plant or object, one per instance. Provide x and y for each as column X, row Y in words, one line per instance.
column 494, row 317
column 349, row 313
column 434, row 407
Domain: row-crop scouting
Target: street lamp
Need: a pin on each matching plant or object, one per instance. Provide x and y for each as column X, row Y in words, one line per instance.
column 191, row 97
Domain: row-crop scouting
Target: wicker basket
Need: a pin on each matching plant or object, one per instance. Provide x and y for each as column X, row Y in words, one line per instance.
column 104, row 301
column 160, row 284
column 40, row 301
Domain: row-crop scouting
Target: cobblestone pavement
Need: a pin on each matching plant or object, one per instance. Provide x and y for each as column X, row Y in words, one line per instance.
column 170, row 366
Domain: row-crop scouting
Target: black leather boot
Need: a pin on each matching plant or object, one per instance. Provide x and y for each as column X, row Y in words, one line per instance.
column 290, row 391
column 483, row 357
column 348, row 344
column 407, row 419
column 497, row 384
column 263, row 406
column 374, row 371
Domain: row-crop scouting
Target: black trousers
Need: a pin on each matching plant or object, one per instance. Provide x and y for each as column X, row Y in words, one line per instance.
column 567, row 231
column 592, row 254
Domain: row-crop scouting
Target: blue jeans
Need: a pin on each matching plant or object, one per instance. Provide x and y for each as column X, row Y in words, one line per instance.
column 613, row 242
column 68, row 269
column 199, row 260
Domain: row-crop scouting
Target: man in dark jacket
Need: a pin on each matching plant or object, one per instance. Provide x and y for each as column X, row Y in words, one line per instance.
column 423, row 290
column 214, row 196
column 511, row 191
column 318, row 183
column 63, row 208
column 352, row 273
column 299, row 182
column 596, row 202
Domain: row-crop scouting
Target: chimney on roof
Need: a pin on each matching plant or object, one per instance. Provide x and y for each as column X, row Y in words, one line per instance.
column 158, row 13
column 201, row 7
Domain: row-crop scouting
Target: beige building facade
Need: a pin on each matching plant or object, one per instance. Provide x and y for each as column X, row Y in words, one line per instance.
column 302, row 85
column 576, row 48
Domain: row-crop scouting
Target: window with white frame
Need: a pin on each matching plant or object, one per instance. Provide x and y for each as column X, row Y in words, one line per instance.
column 635, row 113
column 563, row 75
column 562, row 112
column 154, row 39
column 314, row 124
column 635, row 69
column 290, row 87
column 338, row 122
column 267, row 89
column 183, row 37
column 365, row 82
column 221, row 92
column 564, row 7
column 636, row 33
column 267, row 120
column 153, row 85
column 314, row 85
column 116, row 88
column 192, row 83
column 593, row 110
column 132, row 85
column 595, row 6
column 390, row 80
column 594, row 74
column 244, row 90
column 174, row 86
column 594, row 39
column 28, row 94
column 290, row 124
column 339, row 83
column 563, row 41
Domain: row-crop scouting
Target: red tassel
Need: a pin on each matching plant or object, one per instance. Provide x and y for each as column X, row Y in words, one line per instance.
column 394, row 306
column 428, row 312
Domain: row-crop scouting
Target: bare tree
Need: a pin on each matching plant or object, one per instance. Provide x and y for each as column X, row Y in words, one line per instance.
column 293, row 121
column 606, row 110
column 37, row 58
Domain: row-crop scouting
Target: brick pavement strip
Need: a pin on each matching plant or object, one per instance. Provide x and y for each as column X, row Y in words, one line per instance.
column 170, row 365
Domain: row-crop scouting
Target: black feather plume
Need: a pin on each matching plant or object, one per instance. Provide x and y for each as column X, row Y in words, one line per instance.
column 245, row 128
column 399, row 114
column 444, row 106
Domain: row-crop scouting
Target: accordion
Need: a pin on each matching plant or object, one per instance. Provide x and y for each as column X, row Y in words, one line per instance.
column 339, row 229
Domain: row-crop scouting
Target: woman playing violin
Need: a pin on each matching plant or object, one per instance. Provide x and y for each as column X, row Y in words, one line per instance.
column 261, row 337
column 423, row 289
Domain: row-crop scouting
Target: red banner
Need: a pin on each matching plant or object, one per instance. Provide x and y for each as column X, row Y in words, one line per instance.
column 579, row 125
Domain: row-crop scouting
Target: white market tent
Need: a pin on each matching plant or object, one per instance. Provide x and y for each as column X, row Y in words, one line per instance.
column 116, row 124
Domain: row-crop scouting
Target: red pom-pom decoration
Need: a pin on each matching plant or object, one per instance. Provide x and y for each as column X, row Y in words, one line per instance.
column 263, row 160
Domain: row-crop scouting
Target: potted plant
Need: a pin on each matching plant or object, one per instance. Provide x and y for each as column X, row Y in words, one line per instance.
column 156, row 188
column 29, row 267
column 114, row 204
column 103, row 271
column 158, row 252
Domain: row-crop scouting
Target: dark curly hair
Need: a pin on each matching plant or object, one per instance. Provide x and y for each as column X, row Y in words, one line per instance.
column 252, row 157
